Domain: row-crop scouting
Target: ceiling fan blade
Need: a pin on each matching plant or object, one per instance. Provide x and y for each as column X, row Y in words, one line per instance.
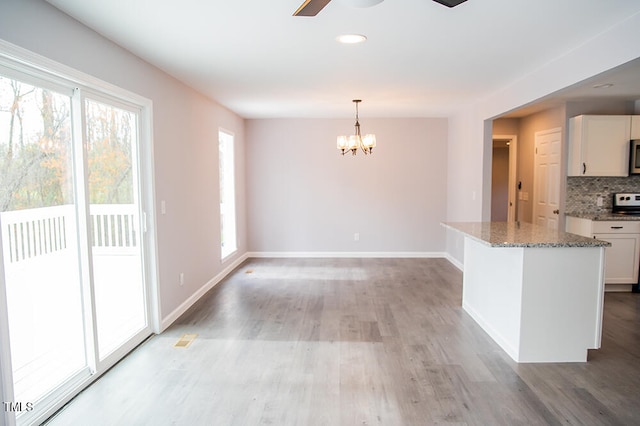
column 311, row 7
column 450, row 3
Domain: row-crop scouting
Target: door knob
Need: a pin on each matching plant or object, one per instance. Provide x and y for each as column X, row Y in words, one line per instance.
column 556, row 212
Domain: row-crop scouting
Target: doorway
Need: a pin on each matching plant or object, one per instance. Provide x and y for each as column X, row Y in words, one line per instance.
column 503, row 178
column 74, row 297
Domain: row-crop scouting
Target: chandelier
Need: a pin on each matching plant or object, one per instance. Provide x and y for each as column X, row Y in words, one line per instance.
column 351, row 143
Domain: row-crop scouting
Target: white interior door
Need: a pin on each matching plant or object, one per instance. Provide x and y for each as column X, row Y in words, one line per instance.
column 546, row 192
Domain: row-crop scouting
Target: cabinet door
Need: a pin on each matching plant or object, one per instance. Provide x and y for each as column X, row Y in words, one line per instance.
column 622, row 258
column 600, row 145
column 635, row 127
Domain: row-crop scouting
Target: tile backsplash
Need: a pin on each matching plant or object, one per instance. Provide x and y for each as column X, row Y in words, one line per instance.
column 583, row 192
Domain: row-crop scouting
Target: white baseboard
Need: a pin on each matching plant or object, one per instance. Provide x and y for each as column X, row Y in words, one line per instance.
column 492, row 332
column 323, row 254
column 618, row 288
column 454, row 261
column 169, row 319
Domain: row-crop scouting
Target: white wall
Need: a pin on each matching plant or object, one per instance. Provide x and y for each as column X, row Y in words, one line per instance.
column 303, row 196
column 185, row 129
column 470, row 129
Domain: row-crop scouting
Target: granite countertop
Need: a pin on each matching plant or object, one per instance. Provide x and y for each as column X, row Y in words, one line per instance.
column 521, row 234
column 604, row 216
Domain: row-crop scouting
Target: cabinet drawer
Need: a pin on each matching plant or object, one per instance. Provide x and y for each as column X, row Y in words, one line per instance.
column 616, row 227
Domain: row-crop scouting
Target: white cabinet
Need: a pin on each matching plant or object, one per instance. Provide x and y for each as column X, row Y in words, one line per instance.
column 635, row 127
column 622, row 259
column 599, row 145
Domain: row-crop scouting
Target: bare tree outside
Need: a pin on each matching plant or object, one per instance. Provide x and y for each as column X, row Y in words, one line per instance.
column 109, row 134
column 35, row 143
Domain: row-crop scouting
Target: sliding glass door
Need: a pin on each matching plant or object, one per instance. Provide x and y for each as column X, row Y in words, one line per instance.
column 38, row 212
column 72, row 238
column 112, row 141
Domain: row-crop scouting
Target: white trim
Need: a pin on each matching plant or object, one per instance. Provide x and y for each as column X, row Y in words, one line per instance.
column 491, row 331
column 227, row 140
column 348, row 254
column 455, row 262
column 63, row 74
column 169, row 319
column 512, row 208
column 7, row 418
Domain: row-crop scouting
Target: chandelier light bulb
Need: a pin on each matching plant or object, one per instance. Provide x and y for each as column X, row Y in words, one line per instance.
column 355, row 141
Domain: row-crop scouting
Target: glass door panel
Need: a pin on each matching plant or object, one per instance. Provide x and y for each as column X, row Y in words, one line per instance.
column 38, row 214
column 112, row 143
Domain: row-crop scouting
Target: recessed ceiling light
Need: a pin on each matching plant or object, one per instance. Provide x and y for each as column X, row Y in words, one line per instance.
column 363, row 3
column 603, row 86
column 351, row 38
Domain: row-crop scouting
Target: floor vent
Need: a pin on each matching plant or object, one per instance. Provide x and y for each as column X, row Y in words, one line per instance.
column 185, row 340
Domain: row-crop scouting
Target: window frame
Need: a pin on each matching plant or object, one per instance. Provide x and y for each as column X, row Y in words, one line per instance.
column 227, row 209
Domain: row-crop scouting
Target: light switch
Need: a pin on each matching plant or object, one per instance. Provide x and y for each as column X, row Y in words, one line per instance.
column 163, row 207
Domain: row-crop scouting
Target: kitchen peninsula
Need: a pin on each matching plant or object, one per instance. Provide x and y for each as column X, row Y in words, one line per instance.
column 538, row 293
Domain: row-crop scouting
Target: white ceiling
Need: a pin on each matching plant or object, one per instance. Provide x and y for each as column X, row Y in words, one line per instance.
column 421, row 59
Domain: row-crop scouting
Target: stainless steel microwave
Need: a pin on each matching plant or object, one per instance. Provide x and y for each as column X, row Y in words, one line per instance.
column 634, row 157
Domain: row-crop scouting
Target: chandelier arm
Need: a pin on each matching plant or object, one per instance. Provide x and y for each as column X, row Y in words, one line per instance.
column 345, row 143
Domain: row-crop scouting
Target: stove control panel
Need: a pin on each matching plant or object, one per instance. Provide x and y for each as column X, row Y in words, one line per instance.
column 626, row 199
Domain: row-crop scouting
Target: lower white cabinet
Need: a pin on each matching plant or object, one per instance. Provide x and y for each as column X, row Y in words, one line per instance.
column 622, row 259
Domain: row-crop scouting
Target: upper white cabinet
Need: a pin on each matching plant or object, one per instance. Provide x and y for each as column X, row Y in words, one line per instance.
column 599, row 145
column 635, row 127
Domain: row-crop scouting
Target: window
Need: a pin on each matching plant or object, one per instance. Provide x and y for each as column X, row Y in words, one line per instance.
column 227, row 195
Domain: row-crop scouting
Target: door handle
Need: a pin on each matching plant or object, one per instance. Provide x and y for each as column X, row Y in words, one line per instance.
column 584, row 168
column 556, row 212
column 617, row 227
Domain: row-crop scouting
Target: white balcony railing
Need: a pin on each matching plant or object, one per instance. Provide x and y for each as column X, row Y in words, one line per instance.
column 40, row 265
column 30, row 233
column 35, row 232
column 114, row 229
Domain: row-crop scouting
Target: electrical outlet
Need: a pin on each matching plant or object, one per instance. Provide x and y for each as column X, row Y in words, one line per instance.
column 599, row 201
column 181, row 278
column 356, row 236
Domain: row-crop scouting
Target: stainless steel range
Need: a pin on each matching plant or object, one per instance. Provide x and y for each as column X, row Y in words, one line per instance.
column 626, row 203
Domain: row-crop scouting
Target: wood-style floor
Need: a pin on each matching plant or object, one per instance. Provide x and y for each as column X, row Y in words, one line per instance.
column 357, row 342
